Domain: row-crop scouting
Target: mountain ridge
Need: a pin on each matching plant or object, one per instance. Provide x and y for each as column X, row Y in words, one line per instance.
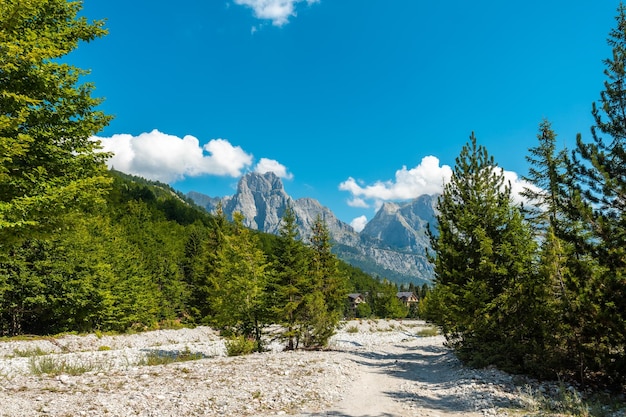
column 393, row 244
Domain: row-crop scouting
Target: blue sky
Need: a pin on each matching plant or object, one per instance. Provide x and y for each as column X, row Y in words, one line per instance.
column 352, row 102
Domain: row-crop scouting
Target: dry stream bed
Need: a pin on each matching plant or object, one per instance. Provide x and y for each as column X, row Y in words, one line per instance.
column 375, row 368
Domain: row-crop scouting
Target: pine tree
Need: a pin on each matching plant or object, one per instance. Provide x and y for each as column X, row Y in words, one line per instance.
column 483, row 252
column 291, row 281
column 238, row 297
column 547, row 173
column 200, row 264
column 323, row 304
column 600, row 210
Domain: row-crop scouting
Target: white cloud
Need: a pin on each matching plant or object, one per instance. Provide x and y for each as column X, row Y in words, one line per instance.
column 168, row 158
column 270, row 165
column 358, row 202
column 517, row 186
column 278, row 11
column 426, row 178
column 359, row 223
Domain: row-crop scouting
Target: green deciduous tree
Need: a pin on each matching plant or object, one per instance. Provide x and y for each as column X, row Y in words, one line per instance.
column 385, row 302
column 48, row 164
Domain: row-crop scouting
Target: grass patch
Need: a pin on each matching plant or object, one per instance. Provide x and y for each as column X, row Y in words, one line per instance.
column 27, row 353
column 567, row 402
column 428, row 332
column 161, row 357
column 51, row 365
column 352, row 329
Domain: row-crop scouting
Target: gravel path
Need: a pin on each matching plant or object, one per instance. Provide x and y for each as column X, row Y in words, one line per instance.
column 373, row 369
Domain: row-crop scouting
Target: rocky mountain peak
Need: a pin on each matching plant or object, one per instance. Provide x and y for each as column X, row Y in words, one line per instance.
column 392, row 245
column 389, row 208
column 266, row 184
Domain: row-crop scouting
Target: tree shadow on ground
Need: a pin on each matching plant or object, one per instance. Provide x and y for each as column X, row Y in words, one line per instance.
column 436, row 379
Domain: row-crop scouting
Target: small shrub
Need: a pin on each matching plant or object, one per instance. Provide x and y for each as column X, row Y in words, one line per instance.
column 352, row 329
column 170, row 324
column 239, row 345
column 363, row 310
column 104, row 348
column 566, row 401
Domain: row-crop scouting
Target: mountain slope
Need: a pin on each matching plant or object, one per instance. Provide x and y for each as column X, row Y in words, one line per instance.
column 393, row 245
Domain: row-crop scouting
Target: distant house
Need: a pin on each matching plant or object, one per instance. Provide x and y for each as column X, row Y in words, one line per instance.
column 407, row 298
column 355, row 299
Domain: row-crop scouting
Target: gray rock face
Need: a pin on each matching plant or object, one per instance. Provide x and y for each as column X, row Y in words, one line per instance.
column 404, row 226
column 393, row 245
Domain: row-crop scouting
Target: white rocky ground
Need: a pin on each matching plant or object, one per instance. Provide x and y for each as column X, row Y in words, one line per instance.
column 374, row 368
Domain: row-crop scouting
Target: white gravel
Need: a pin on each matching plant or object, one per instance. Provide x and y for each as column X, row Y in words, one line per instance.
column 372, row 368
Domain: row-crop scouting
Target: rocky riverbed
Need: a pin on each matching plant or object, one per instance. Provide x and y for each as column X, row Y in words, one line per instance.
column 372, row 368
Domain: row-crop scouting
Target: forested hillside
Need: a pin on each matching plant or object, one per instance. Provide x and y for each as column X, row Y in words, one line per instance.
column 142, row 258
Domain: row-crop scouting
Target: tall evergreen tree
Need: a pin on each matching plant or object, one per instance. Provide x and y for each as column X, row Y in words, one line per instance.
column 323, row 304
column 202, row 248
column 482, row 256
column 240, row 284
column 552, row 199
column 547, row 173
column 291, row 281
column 601, row 169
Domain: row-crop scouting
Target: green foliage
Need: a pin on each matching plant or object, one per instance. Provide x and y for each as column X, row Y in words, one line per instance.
column 240, row 345
column 385, row 303
column 428, row 332
column 599, row 218
column 48, row 163
column 352, row 329
column 328, row 290
column 55, row 365
column 239, row 287
column 363, row 310
column 291, row 281
column 483, row 252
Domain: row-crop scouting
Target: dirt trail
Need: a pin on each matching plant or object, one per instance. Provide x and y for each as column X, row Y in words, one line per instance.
column 372, row 393
column 408, row 379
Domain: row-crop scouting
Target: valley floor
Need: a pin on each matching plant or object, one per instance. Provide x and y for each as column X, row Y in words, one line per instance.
column 373, row 369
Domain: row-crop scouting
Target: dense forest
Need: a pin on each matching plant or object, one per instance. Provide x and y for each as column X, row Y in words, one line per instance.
column 541, row 288
column 538, row 288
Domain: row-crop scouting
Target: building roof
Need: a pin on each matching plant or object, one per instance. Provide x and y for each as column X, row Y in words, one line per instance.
column 405, row 294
